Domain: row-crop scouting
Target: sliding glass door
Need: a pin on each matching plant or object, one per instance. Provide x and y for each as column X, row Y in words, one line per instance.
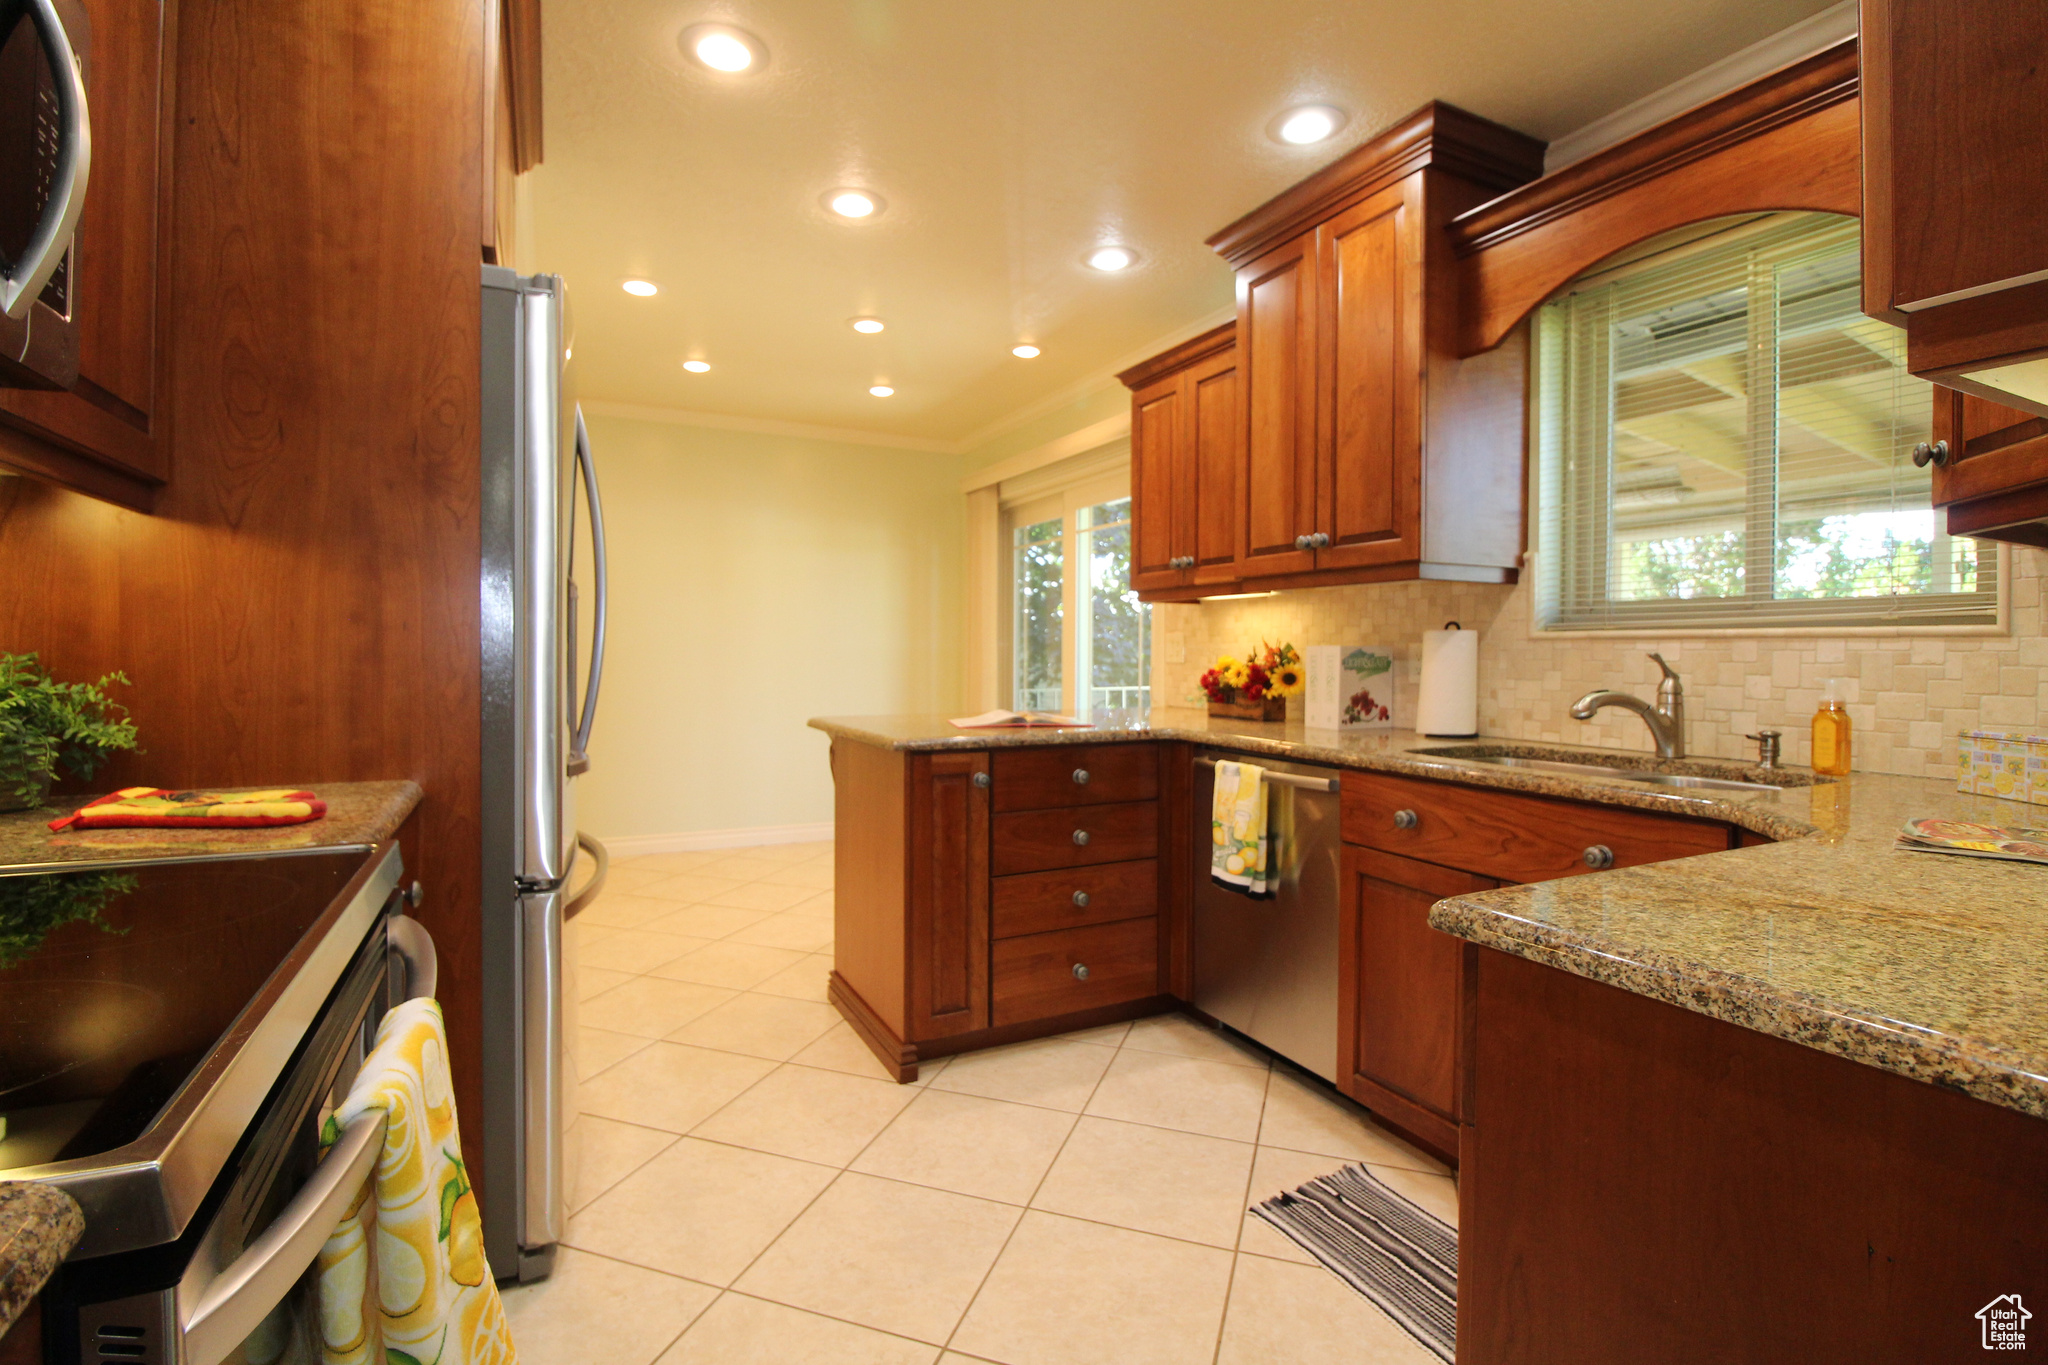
column 1080, row 641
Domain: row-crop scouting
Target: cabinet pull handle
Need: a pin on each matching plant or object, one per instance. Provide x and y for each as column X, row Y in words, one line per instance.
column 1925, row 454
column 1598, row 856
column 1081, row 838
column 1405, row 819
column 1080, row 971
column 1081, row 899
column 983, row 780
column 1080, row 777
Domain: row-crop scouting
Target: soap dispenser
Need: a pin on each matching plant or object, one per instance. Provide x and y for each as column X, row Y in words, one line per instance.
column 1831, row 733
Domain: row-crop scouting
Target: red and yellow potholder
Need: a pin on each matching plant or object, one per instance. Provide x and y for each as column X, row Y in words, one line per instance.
column 161, row 808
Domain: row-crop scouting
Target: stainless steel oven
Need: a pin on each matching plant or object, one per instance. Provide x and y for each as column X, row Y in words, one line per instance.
column 198, row 1164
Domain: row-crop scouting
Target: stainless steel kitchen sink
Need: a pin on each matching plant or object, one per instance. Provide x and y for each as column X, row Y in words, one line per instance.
column 1683, row 773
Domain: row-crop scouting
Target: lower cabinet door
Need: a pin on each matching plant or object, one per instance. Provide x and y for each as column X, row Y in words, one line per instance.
column 1041, row 976
column 948, row 930
column 1402, row 989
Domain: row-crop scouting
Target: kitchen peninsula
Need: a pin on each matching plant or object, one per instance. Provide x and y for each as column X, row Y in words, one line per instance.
column 1802, row 1059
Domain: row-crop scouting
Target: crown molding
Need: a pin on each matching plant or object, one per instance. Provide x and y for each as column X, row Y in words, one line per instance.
column 768, row 426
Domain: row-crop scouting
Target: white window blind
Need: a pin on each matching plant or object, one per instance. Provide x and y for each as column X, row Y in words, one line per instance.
column 1725, row 440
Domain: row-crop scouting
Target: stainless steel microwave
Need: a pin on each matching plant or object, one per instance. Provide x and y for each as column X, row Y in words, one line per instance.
column 45, row 158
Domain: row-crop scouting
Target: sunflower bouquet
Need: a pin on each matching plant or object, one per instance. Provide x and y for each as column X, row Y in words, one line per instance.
column 1256, row 685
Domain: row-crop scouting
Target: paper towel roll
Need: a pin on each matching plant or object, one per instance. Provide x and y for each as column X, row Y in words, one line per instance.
column 1449, row 705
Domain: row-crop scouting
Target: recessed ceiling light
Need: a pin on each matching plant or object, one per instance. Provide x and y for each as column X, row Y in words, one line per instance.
column 881, row 391
column 722, row 47
column 1112, row 258
column 854, row 204
column 644, row 289
column 1024, row 352
column 697, row 366
column 869, row 325
column 1306, row 123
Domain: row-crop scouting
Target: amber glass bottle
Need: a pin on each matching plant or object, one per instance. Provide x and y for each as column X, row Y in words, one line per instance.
column 1831, row 734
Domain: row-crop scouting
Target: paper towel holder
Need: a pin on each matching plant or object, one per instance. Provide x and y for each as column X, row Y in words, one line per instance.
column 1450, row 728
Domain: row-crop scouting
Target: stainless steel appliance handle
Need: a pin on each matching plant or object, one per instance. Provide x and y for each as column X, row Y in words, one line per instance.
column 411, row 941
column 603, row 857
column 236, row 1303
column 580, row 749
column 1307, row 784
column 45, row 250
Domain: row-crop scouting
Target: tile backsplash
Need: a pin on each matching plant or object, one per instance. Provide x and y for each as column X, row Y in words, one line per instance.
column 1909, row 696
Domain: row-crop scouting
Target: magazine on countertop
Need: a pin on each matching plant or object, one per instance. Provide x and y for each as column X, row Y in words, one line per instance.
column 1968, row 840
column 1011, row 720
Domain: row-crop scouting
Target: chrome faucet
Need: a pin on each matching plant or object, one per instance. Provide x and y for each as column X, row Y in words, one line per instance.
column 1666, row 719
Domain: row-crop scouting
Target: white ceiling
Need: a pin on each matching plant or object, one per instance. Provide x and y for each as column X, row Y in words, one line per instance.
column 1007, row 137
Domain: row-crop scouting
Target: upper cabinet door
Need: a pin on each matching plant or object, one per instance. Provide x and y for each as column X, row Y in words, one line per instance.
column 1210, row 470
column 1371, row 381
column 1276, row 357
column 1953, row 143
column 1158, row 484
column 105, row 435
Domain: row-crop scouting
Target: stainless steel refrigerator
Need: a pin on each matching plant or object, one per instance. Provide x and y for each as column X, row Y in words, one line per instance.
column 539, row 489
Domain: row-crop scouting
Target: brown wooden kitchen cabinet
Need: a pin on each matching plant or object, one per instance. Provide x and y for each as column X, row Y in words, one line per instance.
column 1401, row 992
column 1187, row 444
column 106, row 434
column 1992, row 475
column 991, row 895
column 1371, row 452
column 1405, row 990
column 1955, row 245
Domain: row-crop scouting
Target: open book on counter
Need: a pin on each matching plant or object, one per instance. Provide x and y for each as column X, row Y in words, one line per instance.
column 1017, row 720
column 1968, row 840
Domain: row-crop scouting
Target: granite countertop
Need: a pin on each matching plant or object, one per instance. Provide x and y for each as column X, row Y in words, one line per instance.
column 1930, row 966
column 357, row 813
column 39, row 1224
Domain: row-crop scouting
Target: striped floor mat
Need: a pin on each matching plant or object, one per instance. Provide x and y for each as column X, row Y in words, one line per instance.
column 1399, row 1255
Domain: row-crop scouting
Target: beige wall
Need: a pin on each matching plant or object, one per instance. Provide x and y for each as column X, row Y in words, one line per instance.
column 758, row 581
column 1910, row 695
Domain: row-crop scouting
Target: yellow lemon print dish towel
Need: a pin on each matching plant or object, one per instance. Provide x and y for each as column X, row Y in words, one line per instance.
column 435, row 1301
column 1243, row 844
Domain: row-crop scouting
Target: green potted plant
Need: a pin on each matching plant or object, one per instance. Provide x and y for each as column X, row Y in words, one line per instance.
column 44, row 722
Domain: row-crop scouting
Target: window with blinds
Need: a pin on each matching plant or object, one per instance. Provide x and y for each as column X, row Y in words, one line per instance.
column 1724, row 439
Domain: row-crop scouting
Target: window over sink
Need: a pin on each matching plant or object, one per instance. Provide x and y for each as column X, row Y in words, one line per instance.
column 1724, row 439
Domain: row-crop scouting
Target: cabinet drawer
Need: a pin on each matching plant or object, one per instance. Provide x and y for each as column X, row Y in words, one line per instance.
column 1035, row 976
column 1506, row 835
column 1036, row 902
column 1039, row 840
column 1075, row 775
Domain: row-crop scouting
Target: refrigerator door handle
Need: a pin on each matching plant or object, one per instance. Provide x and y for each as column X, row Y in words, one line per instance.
column 579, row 750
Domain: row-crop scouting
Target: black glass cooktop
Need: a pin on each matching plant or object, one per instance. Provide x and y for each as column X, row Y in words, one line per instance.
column 116, row 983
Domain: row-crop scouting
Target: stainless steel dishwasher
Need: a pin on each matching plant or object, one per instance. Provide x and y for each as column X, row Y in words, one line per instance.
column 1268, row 968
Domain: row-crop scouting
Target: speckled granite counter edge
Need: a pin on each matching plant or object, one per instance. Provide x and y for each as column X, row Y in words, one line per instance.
column 1983, row 1072
column 1698, row 806
column 357, row 813
column 39, row 1224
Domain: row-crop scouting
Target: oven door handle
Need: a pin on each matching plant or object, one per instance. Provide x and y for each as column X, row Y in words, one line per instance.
column 411, row 941
column 236, row 1303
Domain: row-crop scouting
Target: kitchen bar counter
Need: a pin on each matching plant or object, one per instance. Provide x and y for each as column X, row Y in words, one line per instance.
column 357, row 813
column 39, row 1224
column 1929, row 966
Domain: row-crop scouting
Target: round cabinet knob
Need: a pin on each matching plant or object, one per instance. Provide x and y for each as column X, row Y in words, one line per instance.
column 1320, row 540
column 983, row 780
column 1081, row 838
column 1080, row 777
column 1080, row 971
column 1081, row 899
column 1925, row 454
column 1405, row 819
column 1598, row 856
column 1301, row 542
column 414, row 894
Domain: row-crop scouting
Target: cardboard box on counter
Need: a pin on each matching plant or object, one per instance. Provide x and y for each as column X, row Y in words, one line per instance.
column 2003, row 763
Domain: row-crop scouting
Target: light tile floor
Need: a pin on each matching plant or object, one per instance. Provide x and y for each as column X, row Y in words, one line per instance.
column 754, row 1189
